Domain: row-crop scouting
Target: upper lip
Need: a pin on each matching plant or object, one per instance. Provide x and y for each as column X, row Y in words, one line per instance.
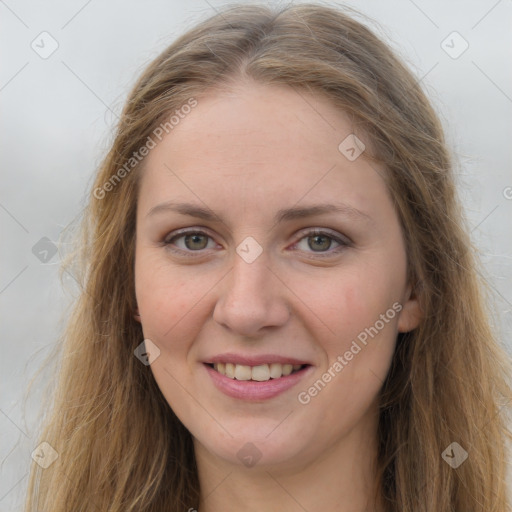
column 254, row 360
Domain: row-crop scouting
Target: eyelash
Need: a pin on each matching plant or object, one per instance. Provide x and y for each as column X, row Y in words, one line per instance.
column 343, row 243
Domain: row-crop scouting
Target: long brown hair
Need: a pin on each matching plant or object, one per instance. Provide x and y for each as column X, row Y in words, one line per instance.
column 121, row 448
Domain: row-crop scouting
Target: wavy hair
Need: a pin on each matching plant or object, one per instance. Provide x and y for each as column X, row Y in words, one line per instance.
column 121, row 448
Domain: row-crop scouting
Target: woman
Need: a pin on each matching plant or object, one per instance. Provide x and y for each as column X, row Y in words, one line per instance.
column 280, row 305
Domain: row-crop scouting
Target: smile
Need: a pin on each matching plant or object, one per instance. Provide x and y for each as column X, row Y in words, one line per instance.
column 259, row 373
column 256, row 383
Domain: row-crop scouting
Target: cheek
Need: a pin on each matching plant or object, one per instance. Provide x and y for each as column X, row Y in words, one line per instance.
column 166, row 300
column 161, row 297
column 358, row 345
column 346, row 302
column 358, row 335
column 172, row 302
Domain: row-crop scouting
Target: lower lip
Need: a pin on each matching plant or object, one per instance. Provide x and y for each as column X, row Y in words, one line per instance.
column 252, row 390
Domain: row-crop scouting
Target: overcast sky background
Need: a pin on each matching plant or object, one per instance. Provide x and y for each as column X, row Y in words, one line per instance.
column 58, row 112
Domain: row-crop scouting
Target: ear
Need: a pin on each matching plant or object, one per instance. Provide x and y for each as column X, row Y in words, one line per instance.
column 411, row 313
column 136, row 315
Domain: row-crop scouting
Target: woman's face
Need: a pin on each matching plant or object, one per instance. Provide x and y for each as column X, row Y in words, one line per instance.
column 263, row 283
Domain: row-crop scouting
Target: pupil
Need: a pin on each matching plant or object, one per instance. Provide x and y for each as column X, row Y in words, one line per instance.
column 317, row 237
column 194, row 239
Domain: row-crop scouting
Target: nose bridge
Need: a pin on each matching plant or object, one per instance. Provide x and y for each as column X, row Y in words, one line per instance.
column 250, row 271
column 251, row 297
column 250, row 276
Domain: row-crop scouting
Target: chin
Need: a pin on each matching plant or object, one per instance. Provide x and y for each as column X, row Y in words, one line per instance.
column 250, row 448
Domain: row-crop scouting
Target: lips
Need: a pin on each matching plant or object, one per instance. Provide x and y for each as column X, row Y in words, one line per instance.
column 255, row 378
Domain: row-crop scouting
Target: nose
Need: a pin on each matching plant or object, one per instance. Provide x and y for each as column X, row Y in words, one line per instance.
column 251, row 297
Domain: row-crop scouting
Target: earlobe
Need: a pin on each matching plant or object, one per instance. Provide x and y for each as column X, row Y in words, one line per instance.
column 136, row 315
column 411, row 314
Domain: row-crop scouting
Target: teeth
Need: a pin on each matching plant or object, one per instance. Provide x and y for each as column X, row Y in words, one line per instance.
column 276, row 370
column 261, row 372
column 242, row 372
column 287, row 369
column 258, row 373
column 230, row 370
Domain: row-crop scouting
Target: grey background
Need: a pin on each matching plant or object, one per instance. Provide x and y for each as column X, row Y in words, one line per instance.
column 57, row 115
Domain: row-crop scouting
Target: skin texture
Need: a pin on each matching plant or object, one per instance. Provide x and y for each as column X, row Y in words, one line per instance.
column 246, row 153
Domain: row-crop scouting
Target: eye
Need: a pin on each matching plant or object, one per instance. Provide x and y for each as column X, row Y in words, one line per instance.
column 320, row 242
column 190, row 241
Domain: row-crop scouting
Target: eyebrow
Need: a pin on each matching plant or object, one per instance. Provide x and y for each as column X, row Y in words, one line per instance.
column 286, row 214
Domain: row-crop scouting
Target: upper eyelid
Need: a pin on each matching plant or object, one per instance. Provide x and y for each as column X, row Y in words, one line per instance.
column 187, row 231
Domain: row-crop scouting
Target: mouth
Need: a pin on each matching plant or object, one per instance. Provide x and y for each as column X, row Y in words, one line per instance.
column 256, row 383
column 258, row 373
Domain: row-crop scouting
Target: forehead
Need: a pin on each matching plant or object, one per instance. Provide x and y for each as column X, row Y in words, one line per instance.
column 255, row 122
column 256, row 146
